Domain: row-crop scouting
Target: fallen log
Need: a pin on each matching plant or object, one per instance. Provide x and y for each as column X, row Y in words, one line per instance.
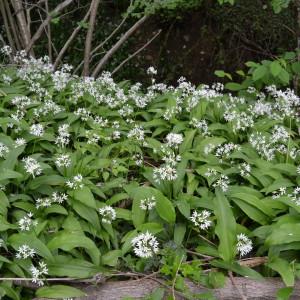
column 240, row 288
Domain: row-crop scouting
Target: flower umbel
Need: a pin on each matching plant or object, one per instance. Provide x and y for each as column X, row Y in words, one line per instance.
column 108, row 214
column 244, row 244
column 145, row 245
column 201, row 219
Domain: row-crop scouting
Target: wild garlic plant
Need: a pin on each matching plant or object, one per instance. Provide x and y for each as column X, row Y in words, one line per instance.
column 96, row 174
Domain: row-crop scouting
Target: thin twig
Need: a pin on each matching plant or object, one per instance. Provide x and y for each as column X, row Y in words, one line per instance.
column 39, row 31
column 135, row 53
column 117, row 45
column 70, row 40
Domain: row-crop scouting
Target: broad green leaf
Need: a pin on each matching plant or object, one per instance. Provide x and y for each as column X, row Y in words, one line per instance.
column 85, row 196
column 59, row 292
column 226, row 227
column 19, row 239
column 68, row 240
column 111, row 258
column 285, row 270
column 284, row 293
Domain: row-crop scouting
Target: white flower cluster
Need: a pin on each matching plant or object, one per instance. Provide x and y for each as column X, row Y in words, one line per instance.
column 37, row 130
column 24, row 251
column 32, row 166
column 174, row 139
column 37, row 273
column 3, row 150
column 245, row 169
column 201, row 219
column 145, row 245
column 222, row 183
column 108, row 214
column 244, row 244
column 148, row 203
column 56, row 197
column 76, row 182
column 26, row 223
column 63, row 137
column 63, row 160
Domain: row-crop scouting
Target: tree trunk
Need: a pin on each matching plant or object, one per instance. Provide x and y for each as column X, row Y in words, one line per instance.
column 137, row 289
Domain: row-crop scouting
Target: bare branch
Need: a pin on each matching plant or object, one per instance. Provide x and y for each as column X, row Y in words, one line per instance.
column 70, row 40
column 53, row 13
column 49, row 33
column 135, row 53
column 25, row 34
column 89, row 36
column 102, row 44
column 118, row 44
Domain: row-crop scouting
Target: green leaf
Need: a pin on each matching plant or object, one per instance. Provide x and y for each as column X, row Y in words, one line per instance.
column 164, row 207
column 58, row 292
column 68, row 240
column 85, row 196
column 259, row 72
column 284, row 293
column 87, row 213
column 179, row 233
column 46, row 180
column 232, row 86
column 284, row 234
column 111, row 258
column 275, row 68
column 285, row 270
column 64, row 266
column 19, row 239
column 226, row 227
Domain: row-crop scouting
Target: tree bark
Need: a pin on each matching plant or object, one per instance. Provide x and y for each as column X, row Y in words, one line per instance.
column 89, row 36
column 117, row 45
column 25, row 34
column 136, row 289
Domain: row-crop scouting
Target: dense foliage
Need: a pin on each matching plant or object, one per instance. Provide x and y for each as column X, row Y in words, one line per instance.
column 98, row 177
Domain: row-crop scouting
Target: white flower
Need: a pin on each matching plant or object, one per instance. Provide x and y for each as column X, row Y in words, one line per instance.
column 32, row 166
column 166, row 172
column 145, row 245
column 151, row 71
column 27, row 222
column 20, row 142
column 279, row 134
column 138, row 159
column 279, row 193
column 63, row 160
column 295, row 195
column 244, row 244
column 59, row 197
column 3, row 150
column 37, row 272
column 201, row 125
column 37, row 129
column 108, row 214
column 201, row 219
column 136, row 133
column 24, row 252
column 174, row 139
column 210, row 172
column 75, row 182
column 43, row 202
column 63, row 137
column 245, row 169
column 148, row 203
column 224, row 151
column 298, row 170
column 222, row 183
